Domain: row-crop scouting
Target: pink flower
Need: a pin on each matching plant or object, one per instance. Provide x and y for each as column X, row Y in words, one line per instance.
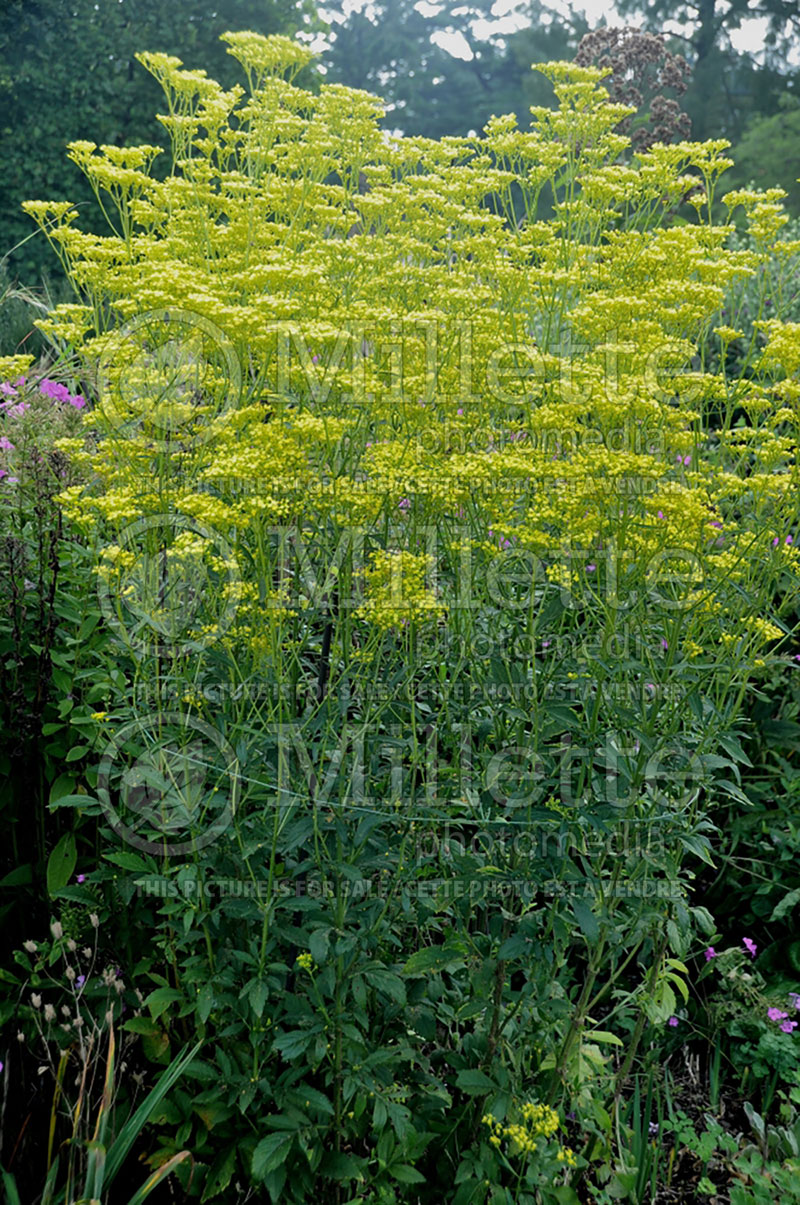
column 664, row 643
column 661, row 514
column 81, row 878
column 710, row 953
column 404, row 504
column 78, row 401
column 775, row 1014
column 750, row 946
column 6, row 444
column 788, row 1026
column 673, row 1021
column 54, row 390
column 8, row 389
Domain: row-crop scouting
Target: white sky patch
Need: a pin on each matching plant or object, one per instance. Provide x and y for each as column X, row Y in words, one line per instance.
column 508, row 19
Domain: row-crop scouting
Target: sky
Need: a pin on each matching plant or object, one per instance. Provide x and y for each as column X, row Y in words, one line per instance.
column 749, row 38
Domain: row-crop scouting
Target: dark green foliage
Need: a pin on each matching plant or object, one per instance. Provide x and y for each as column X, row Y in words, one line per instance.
column 67, row 71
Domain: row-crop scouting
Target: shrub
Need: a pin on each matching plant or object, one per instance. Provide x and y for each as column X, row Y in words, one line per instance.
column 439, row 575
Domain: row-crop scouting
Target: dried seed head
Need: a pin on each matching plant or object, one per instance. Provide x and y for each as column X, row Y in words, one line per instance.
column 57, row 930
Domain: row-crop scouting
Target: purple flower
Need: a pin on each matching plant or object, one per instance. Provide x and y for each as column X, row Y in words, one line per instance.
column 750, row 946
column 664, row 643
column 687, row 460
column 19, row 409
column 54, row 390
column 789, row 540
column 6, row 444
column 710, row 953
column 775, row 1014
column 673, row 1021
column 79, row 982
column 590, row 568
column 8, row 389
column 661, row 514
column 788, row 1026
column 460, row 410
column 78, row 401
column 404, row 504
column 795, row 999
column 81, row 878
column 775, row 542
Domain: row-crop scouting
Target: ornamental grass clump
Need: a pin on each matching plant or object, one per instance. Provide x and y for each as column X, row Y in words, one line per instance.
column 414, row 496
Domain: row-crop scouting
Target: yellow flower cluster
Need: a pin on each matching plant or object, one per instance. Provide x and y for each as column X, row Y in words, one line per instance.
column 309, row 324
column 536, row 1122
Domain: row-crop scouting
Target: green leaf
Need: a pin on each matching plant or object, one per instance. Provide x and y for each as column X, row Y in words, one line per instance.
column 474, row 1082
column 220, row 1174
column 270, row 1153
column 387, row 983
column 434, row 958
column 566, row 1195
column 61, row 863
column 406, row 1174
column 63, row 785
column 786, row 904
column 602, row 1035
column 74, row 801
column 258, row 996
column 141, row 1025
column 77, row 752
column 292, row 1045
column 159, row 1000
column 205, row 1002
column 10, row 1185
column 18, row 876
column 133, row 1127
column 587, row 920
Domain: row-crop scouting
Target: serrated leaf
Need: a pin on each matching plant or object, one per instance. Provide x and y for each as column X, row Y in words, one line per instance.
column 587, row 920
column 434, row 958
column 474, row 1082
column 270, row 1153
